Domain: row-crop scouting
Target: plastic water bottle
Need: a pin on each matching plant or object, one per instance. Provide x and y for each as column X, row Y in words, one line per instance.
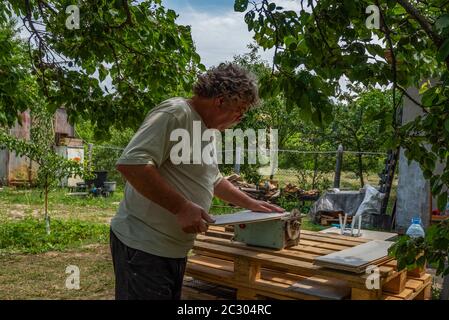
column 415, row 230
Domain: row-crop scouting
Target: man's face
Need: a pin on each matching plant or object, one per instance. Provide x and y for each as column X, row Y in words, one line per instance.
column 228, row 113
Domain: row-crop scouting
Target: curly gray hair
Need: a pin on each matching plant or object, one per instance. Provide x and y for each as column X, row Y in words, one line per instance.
column 229, row 80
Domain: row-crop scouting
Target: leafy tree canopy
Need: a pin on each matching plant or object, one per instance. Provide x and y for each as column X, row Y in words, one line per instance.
column 329, row 40
column 123, row 57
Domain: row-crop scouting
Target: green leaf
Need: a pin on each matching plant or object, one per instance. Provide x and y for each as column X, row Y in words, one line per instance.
column 437, row 189
column 443, row 51
column 428, row 97
column 442, row 24
column 240, row 5
column 446, row 125
column 442, row 201
column 289, row 40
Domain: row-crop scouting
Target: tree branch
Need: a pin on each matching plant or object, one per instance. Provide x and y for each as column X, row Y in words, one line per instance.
column 315, row 17
column 128, row 17
column 425, row 24
column 393, row 55
column 265, row 2
column 412, row 99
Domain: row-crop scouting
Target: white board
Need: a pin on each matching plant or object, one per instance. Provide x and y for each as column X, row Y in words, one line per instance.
column 246, row 216
column 365, row 234
column 356, row 256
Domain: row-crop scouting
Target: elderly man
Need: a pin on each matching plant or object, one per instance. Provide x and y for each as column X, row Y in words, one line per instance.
column 166, row 204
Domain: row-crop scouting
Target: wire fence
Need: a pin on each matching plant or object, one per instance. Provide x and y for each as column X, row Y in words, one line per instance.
column 308, row 169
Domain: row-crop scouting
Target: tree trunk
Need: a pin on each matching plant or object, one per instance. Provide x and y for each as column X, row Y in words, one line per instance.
column 362, row 181
column 47, row 218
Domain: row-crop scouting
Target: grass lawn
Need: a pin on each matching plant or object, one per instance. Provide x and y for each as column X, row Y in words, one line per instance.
column 43, row 276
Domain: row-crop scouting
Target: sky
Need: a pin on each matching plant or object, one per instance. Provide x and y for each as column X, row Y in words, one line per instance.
column 218, row 31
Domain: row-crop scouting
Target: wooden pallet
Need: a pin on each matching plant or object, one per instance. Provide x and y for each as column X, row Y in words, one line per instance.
column 261, row 273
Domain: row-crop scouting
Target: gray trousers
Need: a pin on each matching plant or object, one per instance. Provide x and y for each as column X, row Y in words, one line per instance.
column 143, row 276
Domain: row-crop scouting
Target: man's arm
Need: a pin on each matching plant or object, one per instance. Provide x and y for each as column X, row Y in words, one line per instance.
column 229, row 193
column 189, row 215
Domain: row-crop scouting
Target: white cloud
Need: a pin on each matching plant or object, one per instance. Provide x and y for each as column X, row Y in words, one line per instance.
column 294, row 5
column 219, row 35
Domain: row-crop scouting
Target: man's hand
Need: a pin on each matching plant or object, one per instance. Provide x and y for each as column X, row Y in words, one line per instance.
column 262, row 206
column 192, row 218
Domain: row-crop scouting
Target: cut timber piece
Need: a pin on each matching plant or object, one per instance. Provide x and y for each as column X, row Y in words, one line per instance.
column 397, row 284
column 357, row 258
column 323, row 288
column 414, row 285
column 416, row 273
column 425, row 294
column 405, row 294
column 391, row 298
column 364, row 294
column 247, row 216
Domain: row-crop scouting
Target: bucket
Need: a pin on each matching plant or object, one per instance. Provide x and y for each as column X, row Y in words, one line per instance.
column 99, row 180
column 110, row 186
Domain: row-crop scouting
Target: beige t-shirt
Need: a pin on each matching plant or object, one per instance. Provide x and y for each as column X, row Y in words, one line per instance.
column 142, row 224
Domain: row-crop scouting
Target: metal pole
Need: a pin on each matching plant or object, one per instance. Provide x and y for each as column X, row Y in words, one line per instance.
column 238, row 153
column 338, row 166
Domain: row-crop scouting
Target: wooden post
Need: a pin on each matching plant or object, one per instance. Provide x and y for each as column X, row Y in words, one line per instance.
column 338, row 166
column 90, row 148
column 246, row 272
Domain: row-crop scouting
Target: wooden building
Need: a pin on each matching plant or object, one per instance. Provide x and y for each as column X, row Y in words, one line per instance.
column 15, row 170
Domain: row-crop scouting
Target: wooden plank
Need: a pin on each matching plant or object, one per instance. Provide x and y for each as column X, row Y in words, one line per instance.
column 198, row 252
column 266, row 274
column 189, row 293
column 397, row 284
column 334, row 236
column 364, row 294
column 414, row 285
column 427, row 278
column 425, row 293
column 247, row 291
column 343, row 242
column 272, row 269
column 213, row 263
column 365, row 234
column 264, row 258
column 387, row 297
column 386, row 271
column 323, row 288
column 358, row 270
column 356, row 257
column 271, row 261
column 406, row 294
column 246, row 294
column 282, row 253
column 275, row 276
column 391, row 263
column 310, row 249
column 329, row 246
column 281, row 290
column 218, row 234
